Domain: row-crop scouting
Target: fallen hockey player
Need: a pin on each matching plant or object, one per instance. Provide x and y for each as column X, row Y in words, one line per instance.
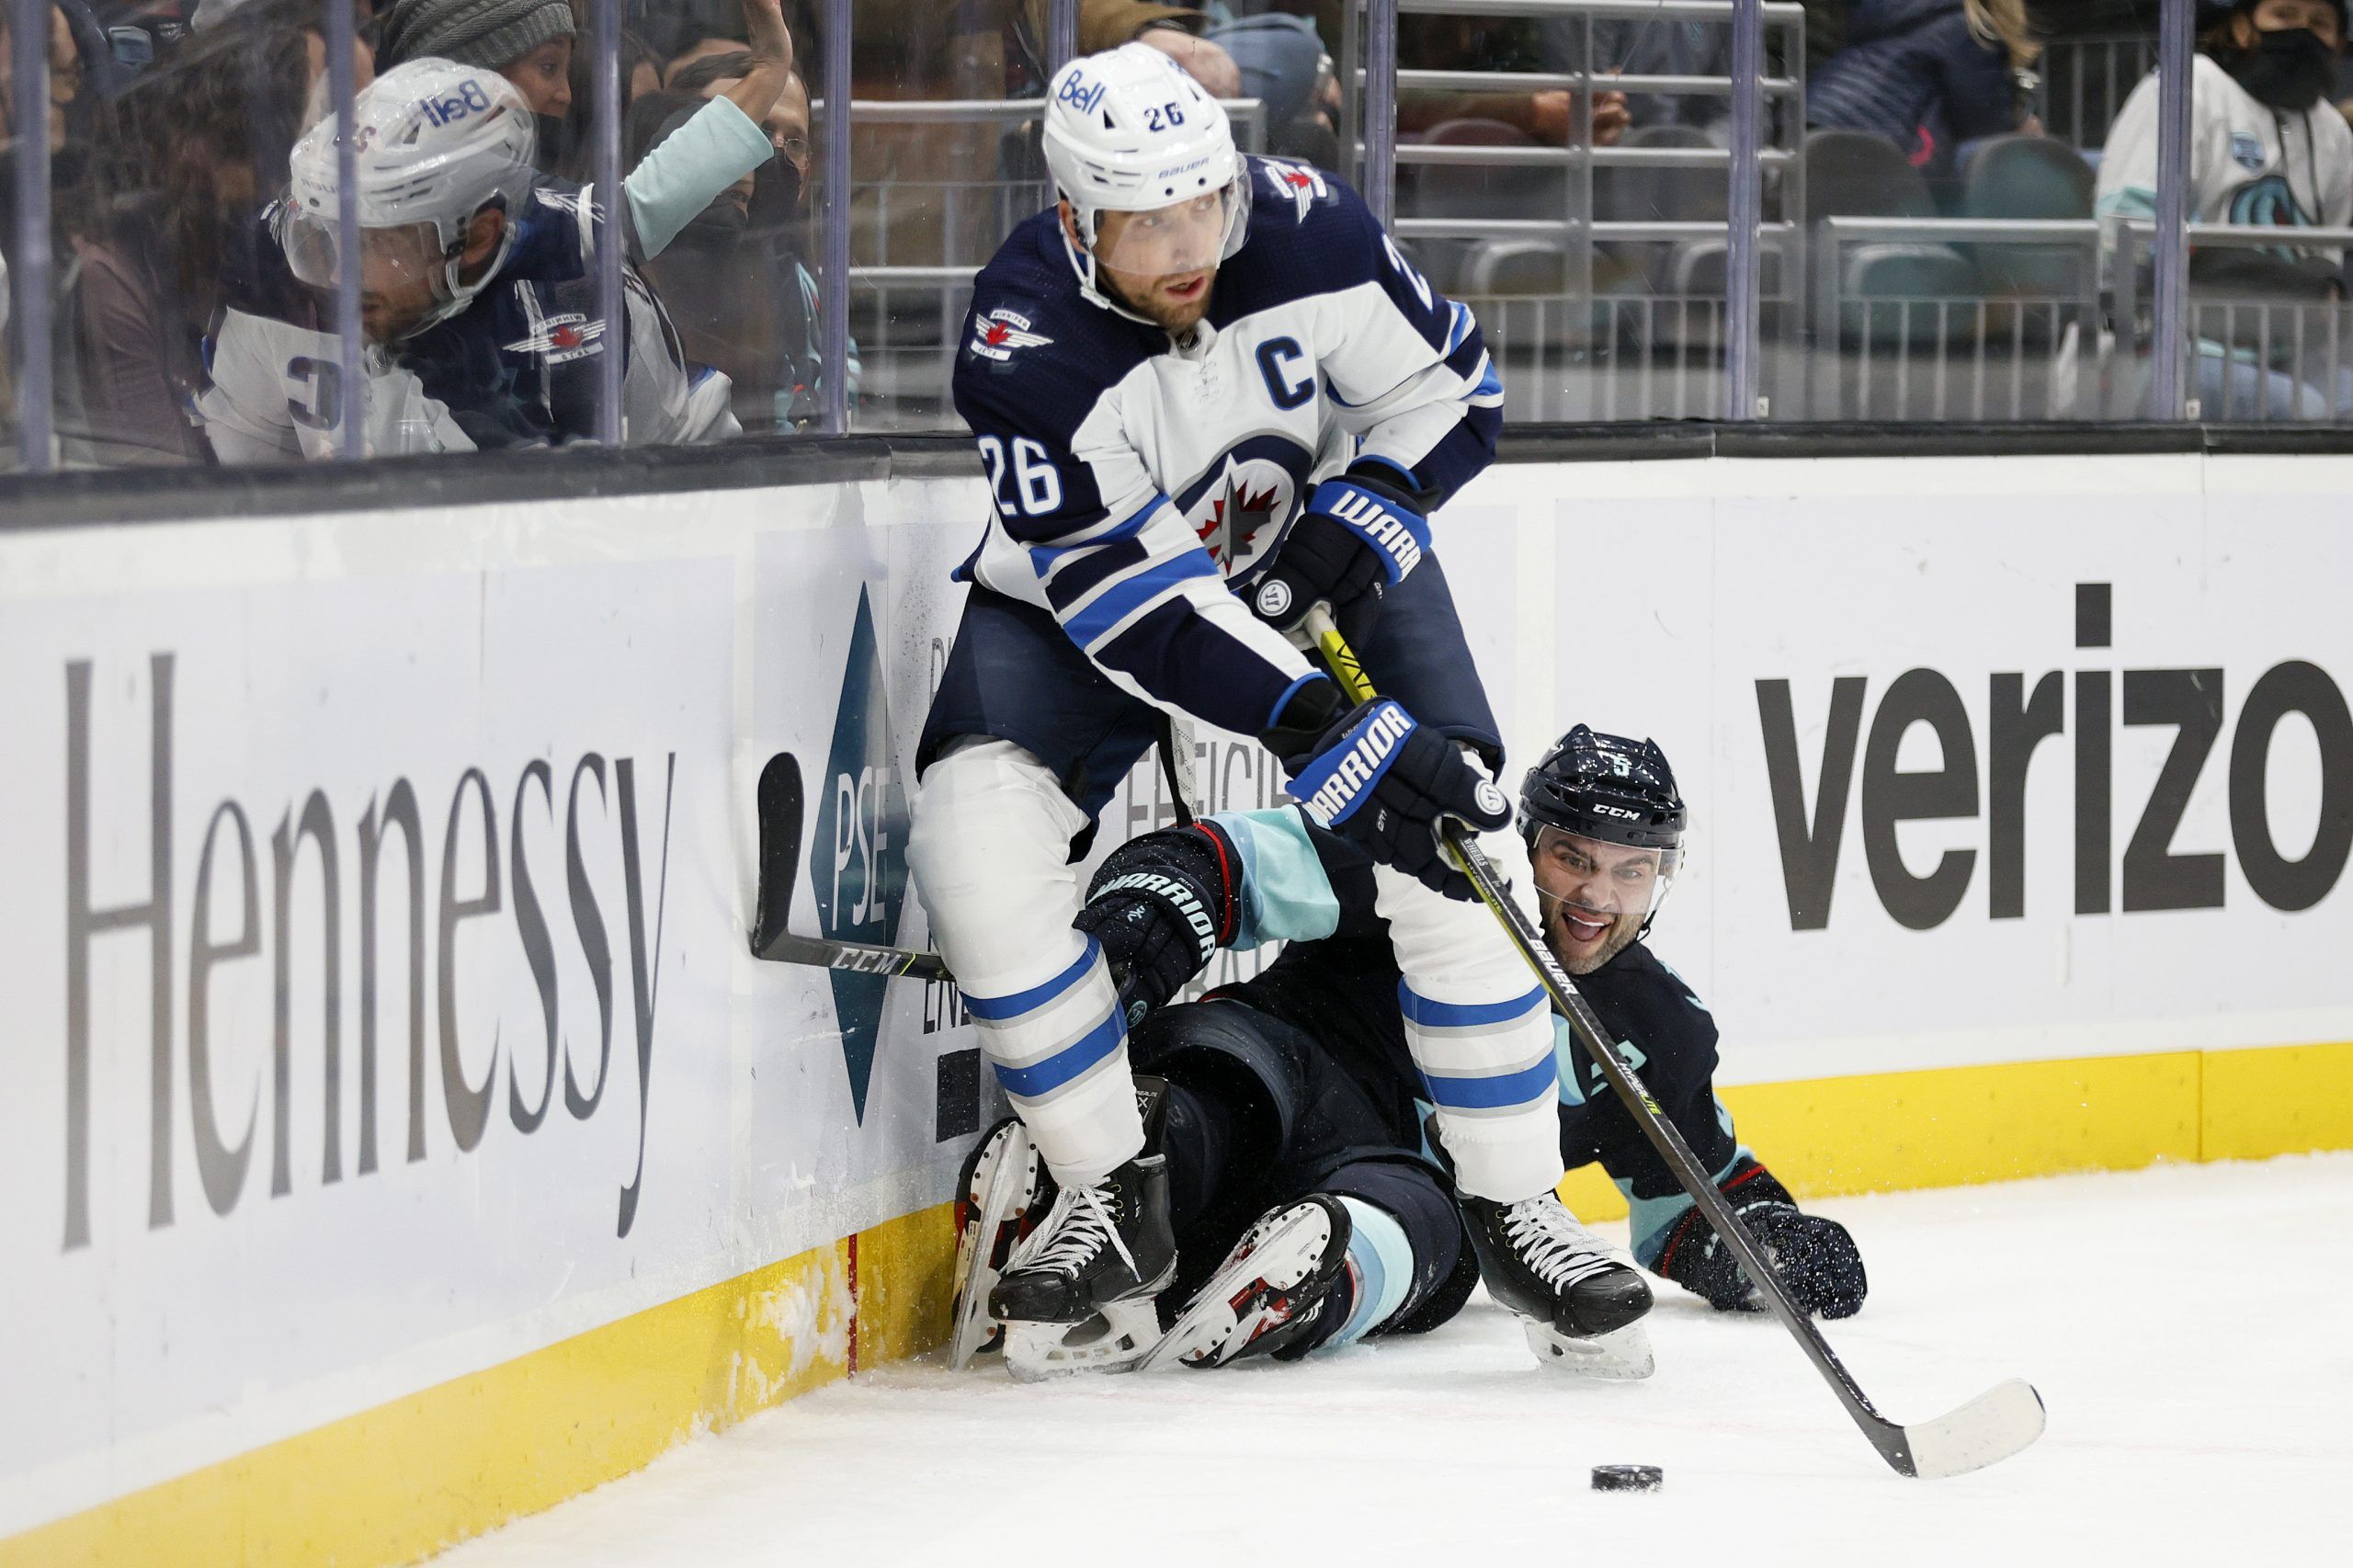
column 1211, row 396
column 1306, row 1212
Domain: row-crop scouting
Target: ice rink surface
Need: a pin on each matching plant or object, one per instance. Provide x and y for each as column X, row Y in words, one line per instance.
column 2190, row 1329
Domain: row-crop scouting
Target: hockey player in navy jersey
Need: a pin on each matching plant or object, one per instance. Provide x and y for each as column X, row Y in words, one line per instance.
column 1290, row 1101
column 477, row 303
column 1209, row 394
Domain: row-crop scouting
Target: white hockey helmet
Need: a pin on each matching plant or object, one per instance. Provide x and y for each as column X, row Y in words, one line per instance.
column 437, row 143
column 1128, row 130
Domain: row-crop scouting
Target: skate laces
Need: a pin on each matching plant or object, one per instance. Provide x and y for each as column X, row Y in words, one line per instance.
column 1077, row 1229
column 1556, row 1249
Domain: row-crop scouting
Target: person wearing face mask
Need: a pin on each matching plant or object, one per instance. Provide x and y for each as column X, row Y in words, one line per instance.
column 529, row 42
column 762, row 227
column 1291, row 1106
column 2266, row 149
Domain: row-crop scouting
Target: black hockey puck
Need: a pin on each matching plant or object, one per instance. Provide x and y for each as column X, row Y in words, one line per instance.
column 1628, row 1478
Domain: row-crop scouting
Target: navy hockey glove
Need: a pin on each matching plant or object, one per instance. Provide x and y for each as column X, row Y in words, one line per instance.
column 1815, row 1258
column 1357, row 536
column 1377, row 778
column 1160, row 906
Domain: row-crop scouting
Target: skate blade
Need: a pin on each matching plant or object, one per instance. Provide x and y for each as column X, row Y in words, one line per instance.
column 1277, row 1263
column 1114, row 1340
column 1622, row 1354
column 985, row 1243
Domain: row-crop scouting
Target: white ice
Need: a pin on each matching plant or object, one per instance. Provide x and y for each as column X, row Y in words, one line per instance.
column 2190, row 1329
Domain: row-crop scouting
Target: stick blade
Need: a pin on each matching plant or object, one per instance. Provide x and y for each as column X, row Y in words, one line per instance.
column 779, row 802
column 1987, row 1430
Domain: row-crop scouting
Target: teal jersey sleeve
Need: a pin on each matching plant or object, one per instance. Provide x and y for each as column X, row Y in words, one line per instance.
column 710, row 152
column 1285, row 895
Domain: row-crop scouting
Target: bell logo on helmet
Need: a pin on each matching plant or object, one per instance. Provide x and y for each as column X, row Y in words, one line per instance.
column 1079, row 93
column 468, row 99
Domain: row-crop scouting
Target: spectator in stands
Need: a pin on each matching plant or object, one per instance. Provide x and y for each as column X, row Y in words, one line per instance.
column 725, row 141
column 1929, row 74
column 526, row 41
column 1681, row 47
column 2266, row 149
column 187, row 156
column 743, row 300
column 1548, row 117
column 1282, row 62
column 476, row 300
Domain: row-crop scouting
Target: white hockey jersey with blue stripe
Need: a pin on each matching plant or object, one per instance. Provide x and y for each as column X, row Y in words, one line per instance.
column 1138, row 484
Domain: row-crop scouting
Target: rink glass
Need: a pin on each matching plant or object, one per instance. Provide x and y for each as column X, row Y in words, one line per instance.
column 1586, row 177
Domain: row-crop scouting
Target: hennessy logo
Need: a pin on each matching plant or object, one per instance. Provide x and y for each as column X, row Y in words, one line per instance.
column 481, row 876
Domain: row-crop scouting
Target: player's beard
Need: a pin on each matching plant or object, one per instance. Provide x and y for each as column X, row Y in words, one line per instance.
column 1175, row 317
column 1583, row 958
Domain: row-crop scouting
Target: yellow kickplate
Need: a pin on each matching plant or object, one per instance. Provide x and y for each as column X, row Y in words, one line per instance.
column 402, row 1480
column 2288, row 1100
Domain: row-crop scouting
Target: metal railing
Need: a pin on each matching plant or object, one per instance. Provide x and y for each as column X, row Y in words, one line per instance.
column 1977, row 356
column 2264, row 359
column 2086, row 82
column 1623, row 330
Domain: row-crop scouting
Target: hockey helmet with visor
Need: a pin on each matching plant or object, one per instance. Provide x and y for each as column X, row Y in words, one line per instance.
column 1605, row 825
column 1129, row 132
column 435, row 145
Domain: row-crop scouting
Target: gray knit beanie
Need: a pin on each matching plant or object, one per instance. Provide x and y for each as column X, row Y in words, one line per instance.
column 488, row 33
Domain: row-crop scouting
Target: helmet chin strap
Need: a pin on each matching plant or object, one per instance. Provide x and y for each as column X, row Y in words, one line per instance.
column 1082, row 261
column 456, row 294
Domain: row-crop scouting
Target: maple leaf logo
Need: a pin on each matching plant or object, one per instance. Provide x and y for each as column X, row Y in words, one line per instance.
column 996, row 333
column 1250, row 512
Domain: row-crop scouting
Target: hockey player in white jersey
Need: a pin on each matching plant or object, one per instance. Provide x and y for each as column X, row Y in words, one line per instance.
column 1209, row 394
column 478, row 310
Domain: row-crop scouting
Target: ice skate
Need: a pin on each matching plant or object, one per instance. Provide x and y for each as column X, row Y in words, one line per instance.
column 1000, row 1197
column 1080, row 1294
column 1276, row 1294
column 1583, row 1304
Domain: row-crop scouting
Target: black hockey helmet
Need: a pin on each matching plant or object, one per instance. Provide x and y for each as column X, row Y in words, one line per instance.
column 1606, row 787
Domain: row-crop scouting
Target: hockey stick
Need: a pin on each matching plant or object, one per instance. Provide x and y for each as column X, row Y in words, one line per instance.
column 1988, row 1429
column 780, row 803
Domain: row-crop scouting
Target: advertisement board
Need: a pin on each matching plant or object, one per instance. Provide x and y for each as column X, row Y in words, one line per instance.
column 376, row 887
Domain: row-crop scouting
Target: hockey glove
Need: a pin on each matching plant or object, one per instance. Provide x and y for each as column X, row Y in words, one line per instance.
column 1159, row 906
column 1357, row 536
column 1815, row 1258
column 1384, row 781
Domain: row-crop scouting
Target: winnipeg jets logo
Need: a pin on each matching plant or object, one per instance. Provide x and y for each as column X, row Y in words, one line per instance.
column 1239, row 508
column 561, row 338
column 1234, row 516
column 1237, row 502
column 997, row 335
column 1299, row 182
